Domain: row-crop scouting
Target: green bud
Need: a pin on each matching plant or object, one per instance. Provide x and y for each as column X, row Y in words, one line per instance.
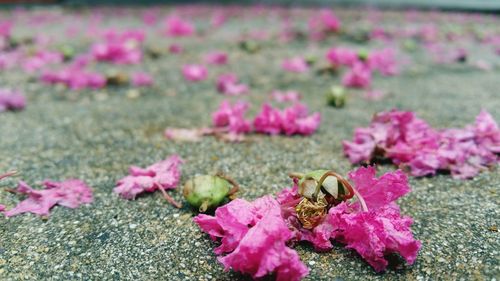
column 363, row 55
column 205, row 192
column 336, row 96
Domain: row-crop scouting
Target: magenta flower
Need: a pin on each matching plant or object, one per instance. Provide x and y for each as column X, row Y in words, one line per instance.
column 253, row 239
column 175, row 49
column 142, row 79
column 177, row 27
column 228, row 84
column 342, row 56
column 285, row 96
column 371, row 224
column 74, row 78
column 162, row 176
column 232, row 118
column 296, row 64
column 11, row 100
column 194, row 72
column 292, row 120
column 117, row 52
column 69, row 193
column 359, row 76
column 411, row 143
column 322, row 23
column 40, row 60
column 383, row 61
column 217, row 58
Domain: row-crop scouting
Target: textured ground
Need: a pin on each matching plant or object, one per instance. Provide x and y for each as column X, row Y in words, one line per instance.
column 96, row 135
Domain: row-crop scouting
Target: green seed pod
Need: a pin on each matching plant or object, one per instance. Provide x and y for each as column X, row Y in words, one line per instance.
column 363, row 55
column 67, row 51
column 336, row 96
column 309, row 182
column 249, row 46
column 205, row 192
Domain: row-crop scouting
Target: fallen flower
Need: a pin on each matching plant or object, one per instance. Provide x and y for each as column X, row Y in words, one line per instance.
column 11, row 100
column 285, row 96
column 162, row 175
column 253, row 236
column 69, row 193
column 322, row 23
column 290, row 121
column 411, row 143
column 142, row 79
column 359, row 76
column 342, row 56
column 232, row 117
column 371, row 224
column 228, row 84
column 296, row 64
column 75, row 78
column 194, row 72
column 217, row 58
column 177, row 27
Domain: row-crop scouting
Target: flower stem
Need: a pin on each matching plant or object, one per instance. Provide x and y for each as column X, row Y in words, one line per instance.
column 168, row 197
column 8, row 174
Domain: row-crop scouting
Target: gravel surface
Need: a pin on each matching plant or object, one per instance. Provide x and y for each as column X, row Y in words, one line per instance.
column 96, row 135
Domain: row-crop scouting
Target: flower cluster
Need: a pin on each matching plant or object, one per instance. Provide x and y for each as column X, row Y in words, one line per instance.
column 119, row 48
column 412, row 143
column 361, row 66
column 228, row 84
column 254, row 235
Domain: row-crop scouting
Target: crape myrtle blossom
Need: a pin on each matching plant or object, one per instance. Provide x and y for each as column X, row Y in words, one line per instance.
column 162, row 176
column 285, row 96
column 216, row 58
column 69, row 193
column 228, row 84
column 11, row 100
column 289, row 121
column 232, row 117
column 75, row 78
column 413, row 144
column 322, row 23
column 230, row 124
column 194, row 72
column 177, row 27
column 296, row 64
column 361, row 65
column 120, row 48
column 253, row 236
column 142, row 79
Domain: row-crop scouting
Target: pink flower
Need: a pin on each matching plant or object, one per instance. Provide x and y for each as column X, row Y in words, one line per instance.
column 410, row 142
column 228, row 84
column 124, row 52
column 342, row 56
column 162, row 175
column 175, row 49
column 322, row 23
column 292, row 120
column 232, row 118
column 142, row 79
column 218, row 58
column 384, row 61
column 11, row 100
column 359, row 76
column 177, row 27
column 194, row 72
column 254, row 236
column 40, row 60
column 69, row 193
column 75, row 78
column 285, row 96
column 371, row 225
column 296, row 64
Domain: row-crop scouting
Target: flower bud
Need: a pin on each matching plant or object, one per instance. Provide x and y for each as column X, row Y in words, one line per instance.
column 309, row 183
column 205, row 192
column 336, row 96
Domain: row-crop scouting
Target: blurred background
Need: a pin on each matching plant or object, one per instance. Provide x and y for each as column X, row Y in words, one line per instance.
column 471, row 5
